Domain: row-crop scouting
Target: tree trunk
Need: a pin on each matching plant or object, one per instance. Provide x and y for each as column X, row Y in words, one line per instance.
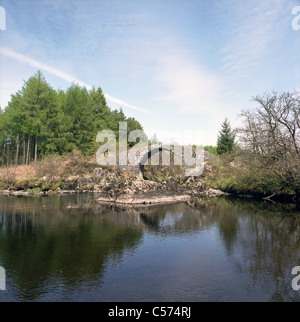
column 7, row 152
column 17, row 149
column 24, row 148
column 35, row 149
column 28, row 147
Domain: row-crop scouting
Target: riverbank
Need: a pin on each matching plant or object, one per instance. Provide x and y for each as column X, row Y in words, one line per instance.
column 114, row 184
column 159, row 197
column 111, row 183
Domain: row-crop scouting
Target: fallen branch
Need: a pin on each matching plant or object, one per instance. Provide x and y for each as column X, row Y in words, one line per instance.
column 269, row 197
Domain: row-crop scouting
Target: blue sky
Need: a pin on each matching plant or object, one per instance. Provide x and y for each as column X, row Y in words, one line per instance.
column 174, row 65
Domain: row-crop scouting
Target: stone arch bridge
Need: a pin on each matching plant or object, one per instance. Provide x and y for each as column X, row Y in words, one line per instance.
column 135, row 159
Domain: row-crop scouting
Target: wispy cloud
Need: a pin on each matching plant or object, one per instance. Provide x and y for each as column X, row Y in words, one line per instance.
column 189, row 86
column 64, row 76
column 249, row 35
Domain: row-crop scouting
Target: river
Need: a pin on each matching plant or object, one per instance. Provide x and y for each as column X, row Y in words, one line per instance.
column 71, row 248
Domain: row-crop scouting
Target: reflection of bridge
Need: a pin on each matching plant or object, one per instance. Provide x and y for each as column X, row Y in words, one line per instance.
column 192, row 159
column 177, row 218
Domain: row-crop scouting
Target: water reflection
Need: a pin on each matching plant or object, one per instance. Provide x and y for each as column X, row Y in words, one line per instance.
column 62, row 247
column 173, row 219
column 62, row 239
column 262, row 241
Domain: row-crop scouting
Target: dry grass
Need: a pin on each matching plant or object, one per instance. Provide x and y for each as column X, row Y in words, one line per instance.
column 50, row 169
column 20, row 172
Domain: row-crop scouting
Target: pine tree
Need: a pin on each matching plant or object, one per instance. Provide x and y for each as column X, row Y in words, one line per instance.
column 226, row 138
column 132, row 124
column 39, row 103
column 39, row 121
column 79, row 106
column 154, row 139
column 100, row 110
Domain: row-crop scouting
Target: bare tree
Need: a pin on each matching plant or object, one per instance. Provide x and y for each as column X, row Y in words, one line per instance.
column 272, row 132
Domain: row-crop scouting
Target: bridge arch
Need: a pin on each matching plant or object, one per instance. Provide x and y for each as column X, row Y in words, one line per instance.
column 148, row 156
column 178, row 151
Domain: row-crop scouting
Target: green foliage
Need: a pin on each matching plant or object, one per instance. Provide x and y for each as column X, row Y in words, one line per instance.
column 239, row 172
column 132, row 124
column 263, row 186
column 41, row 121
column 211, row 149
column 226, row 138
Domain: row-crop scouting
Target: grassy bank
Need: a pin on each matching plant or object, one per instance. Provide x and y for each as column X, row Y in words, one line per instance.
column 52, row 173
column 239, row 174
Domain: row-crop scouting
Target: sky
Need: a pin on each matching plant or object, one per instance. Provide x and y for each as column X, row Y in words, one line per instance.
column 180, row 67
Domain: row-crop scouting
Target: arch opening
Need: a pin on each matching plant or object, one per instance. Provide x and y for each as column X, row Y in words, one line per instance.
column 172, row 167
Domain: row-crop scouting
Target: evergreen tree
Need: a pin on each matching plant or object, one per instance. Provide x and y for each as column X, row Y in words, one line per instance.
column 54, row 126
column 41, row 108
column 12, row 126
column 100, row 110
column 154, row 139
column 132, row 124
column 79, row 108
column 40, row 120
column 226, row 138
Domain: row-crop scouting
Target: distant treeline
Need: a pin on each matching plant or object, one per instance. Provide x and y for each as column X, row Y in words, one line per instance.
column 40, row 120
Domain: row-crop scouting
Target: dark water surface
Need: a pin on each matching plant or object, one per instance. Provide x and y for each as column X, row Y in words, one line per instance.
column 70, row 248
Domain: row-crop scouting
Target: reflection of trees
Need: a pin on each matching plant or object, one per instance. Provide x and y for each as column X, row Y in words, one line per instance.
column 71, row 239
column 264, row 242
column 41, row 237
column 262, row 239
column 228, row 228
column 270, row 249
